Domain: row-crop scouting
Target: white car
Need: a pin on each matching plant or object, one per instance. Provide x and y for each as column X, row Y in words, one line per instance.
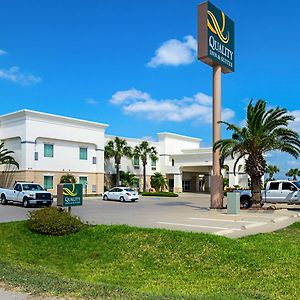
column 121, row 193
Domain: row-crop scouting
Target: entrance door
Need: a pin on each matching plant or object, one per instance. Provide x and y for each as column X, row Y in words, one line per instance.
column 186, row 185
column 171, row 185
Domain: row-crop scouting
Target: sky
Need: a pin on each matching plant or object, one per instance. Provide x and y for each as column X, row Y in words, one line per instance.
column 132, row 64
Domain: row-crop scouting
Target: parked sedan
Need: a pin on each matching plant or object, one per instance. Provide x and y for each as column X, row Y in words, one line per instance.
column 121, row 193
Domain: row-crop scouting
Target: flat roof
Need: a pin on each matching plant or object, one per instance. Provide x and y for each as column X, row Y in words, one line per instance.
column 28, row 112
column 179, row 136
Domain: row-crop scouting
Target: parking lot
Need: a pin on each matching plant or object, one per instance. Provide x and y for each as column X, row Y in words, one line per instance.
column 188, row 212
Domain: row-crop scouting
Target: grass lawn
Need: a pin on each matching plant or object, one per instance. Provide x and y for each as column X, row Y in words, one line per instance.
column 121, row 262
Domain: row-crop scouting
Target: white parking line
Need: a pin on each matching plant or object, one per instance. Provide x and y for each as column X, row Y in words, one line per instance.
column 223, row 220
column 197, row 226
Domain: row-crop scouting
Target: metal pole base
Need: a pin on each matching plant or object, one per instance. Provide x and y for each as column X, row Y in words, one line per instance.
column 216, row 195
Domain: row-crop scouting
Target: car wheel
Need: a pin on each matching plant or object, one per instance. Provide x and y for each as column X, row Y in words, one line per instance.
column 25, row 203
column 105, row 198
column 3, row 200
column 246, row 203
column 122, row 199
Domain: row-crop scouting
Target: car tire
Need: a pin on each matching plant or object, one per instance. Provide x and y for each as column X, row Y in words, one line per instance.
column 246, row 202
column 3, row 200
column 105, row 198
column 122, row 199
column 25, row 203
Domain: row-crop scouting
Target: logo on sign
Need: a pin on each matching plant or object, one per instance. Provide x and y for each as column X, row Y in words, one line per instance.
column 68, row 192
column 215, row 27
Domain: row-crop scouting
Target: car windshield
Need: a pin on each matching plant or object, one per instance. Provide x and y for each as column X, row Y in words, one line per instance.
column 32, row 187
column 129, row 190
column 297, row 184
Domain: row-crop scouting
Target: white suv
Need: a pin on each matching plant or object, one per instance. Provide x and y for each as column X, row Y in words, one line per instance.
column 121, row 193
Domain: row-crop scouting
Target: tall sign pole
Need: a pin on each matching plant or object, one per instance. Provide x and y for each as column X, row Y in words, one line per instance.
column 216, row 48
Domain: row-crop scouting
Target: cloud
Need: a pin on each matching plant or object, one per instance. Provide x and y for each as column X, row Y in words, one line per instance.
column 174, row 53
column 15, row 75
column 295, row 125
column 91, row 101
column 196, row 108
column 2, row 52
column 148, row 138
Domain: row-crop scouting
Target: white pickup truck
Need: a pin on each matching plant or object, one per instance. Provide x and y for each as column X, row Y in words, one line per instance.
column 26, row 193
column 277, row 191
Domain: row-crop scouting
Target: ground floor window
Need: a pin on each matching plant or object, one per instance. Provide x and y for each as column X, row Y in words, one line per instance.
column 84, row 181
column 186, row 185
column 48, row 182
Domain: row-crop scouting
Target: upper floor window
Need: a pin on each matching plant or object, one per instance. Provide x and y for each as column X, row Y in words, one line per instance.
column 173, row 162
column 83, row 153
column 48, row 150
column 136, row 162
column 153, row 164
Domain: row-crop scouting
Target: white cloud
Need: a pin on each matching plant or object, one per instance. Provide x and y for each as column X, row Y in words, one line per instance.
column 174, row 53
column 196, row 108
column 148, row 138
column 14, row 74
column 2, row 52
column 91, row 101
column 296, row 123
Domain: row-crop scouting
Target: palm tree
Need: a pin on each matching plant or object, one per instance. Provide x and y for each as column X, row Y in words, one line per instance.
column 5, row 156
column 117, row 148
column 271, row 170
column 265, row 130
column 158, row 181
column 293, row 173
column 143, row 151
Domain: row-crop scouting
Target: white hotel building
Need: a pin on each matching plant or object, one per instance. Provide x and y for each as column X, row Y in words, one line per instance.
column 47, row 146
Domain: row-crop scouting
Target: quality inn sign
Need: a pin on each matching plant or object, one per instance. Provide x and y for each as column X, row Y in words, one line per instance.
column 69, row 194
column 215, row 37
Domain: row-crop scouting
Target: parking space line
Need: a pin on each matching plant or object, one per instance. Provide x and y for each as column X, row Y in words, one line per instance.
column 197, row 226
column 223, row 220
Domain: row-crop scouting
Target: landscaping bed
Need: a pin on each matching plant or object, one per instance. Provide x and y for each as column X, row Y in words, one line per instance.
column 160, row 194
column 122, row 262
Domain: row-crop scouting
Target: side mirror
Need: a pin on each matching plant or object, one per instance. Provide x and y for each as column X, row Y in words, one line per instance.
column 292, row 189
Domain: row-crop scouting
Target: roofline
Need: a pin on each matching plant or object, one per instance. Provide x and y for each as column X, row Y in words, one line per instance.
column 129, row 138
column 179, row 136
column 57, row 117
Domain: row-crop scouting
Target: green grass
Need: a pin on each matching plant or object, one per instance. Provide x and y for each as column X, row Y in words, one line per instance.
column 121, row 262
column 159, row 194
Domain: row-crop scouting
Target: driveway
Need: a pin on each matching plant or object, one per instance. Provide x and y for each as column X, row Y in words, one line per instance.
column 188, row 212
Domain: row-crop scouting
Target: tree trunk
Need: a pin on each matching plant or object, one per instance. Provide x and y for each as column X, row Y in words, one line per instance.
column 144, row 176
column 118, row 174
column 256, row 191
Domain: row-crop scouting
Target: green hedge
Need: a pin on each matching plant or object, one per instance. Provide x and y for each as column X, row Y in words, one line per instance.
column 160, row 194
column 53, row 221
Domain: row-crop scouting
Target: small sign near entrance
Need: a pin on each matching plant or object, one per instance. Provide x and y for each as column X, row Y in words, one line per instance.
column 69, row 194
column 215, row 37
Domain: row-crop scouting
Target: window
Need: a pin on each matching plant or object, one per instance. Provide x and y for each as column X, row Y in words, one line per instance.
column 94, row 160
column 83, row 153
column 287, row 186
column 186, row 185
column 94, row 188
column 48, row 150
column 153, row 164
column 36, row 156
column 83, row 180
column 18, row 188
column 136, row 162
column 274, row 186
column 173, row 162
column 48, row 182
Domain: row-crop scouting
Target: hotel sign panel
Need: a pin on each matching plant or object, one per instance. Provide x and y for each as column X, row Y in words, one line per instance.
column 215, row 37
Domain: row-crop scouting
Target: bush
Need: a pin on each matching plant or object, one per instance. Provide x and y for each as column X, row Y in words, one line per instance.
column 53, row 221
column 160, row 194
column 68, row 178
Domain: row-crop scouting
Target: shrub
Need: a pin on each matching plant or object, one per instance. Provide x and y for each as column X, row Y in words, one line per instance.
column 158, row 181
column 160, row 194
column 68, row 178
column 53, row 221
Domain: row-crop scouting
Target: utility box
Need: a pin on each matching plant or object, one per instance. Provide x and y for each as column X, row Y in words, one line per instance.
column 233, row 203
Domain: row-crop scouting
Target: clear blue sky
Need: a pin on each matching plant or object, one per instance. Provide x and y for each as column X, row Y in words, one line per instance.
column 71, row 57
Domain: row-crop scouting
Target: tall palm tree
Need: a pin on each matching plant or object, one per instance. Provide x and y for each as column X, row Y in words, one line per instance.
column 143, row 151
column 293, row 173
column 5, row 156
column 265, row 130
column 271, row 170
column 117, row 148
